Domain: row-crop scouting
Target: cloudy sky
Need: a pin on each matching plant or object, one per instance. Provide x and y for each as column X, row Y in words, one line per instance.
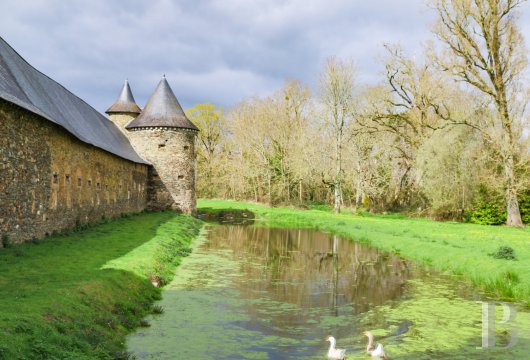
column 217, row 51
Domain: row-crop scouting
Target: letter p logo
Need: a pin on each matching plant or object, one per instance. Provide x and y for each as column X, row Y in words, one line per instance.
column 488, row 324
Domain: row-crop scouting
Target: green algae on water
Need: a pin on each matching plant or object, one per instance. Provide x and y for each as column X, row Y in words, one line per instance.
column 261, row 293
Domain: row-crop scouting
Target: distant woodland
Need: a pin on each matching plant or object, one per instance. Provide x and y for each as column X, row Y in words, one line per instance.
column 444, row 135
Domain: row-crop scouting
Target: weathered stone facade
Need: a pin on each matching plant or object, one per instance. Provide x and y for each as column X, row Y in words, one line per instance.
column 65, row 164
column 163, row 135
column 50, row 180
column 121, row 120
column 172, row 152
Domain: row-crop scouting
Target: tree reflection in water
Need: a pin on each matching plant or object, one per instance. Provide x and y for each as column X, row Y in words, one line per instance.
column 310, row 270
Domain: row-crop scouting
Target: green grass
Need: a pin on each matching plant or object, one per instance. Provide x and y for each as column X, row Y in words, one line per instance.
column 76, row 296
column 456, row 248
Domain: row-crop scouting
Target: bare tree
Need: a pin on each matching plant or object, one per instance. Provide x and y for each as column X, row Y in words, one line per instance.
column 210, row 120
column 336, row 87
column 485, row 50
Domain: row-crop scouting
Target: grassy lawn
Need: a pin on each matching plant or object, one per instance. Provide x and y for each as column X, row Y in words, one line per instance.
column 455, row 248
column 76, row 296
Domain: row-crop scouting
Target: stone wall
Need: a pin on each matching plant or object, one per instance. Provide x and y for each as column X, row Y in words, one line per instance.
column 50, row 180
column 172, row 152
column 122, row 119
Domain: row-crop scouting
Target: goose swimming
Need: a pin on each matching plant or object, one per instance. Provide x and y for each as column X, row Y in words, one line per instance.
column 335, row 354
column 378, row 352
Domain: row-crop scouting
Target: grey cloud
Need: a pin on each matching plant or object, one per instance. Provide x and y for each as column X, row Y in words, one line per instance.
column 211, row 50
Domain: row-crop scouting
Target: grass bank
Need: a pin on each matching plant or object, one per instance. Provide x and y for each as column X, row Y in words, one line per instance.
column 456, row 248
column 76, row 296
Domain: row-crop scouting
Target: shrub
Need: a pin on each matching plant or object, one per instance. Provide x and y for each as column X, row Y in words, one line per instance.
column 158, row 310
column 80, row 226
column 504, row 252
column 488, row 214
column 5, row 241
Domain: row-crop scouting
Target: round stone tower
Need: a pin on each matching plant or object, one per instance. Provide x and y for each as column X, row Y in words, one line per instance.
column 124, row 108
column 164, row 136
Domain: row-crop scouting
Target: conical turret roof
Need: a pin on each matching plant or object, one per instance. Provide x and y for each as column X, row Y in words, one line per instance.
column 162, row 110
column 125, row 102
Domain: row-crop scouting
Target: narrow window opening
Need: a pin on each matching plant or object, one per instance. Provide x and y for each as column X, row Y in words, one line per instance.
column 181, row 177
column 79, row 181
column 89, row 182
column 55, row 178
column 67, row 177
column 98, row 186
column 186, row 147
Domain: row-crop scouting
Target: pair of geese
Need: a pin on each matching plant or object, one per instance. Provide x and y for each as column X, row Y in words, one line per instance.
column 340, row 354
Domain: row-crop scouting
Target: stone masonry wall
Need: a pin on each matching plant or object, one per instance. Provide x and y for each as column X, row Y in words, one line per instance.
column 173, row 155
column 50, row 180
column 121, row 120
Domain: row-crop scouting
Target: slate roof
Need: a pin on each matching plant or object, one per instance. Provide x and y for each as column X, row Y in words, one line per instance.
column 125, row 102
column 162, row 110
column 23, row 85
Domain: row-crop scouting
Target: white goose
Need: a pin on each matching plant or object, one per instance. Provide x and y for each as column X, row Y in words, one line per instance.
column 377, row 352
column 335, row 354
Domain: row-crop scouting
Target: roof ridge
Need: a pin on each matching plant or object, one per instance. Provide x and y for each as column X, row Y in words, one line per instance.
column 25, row 86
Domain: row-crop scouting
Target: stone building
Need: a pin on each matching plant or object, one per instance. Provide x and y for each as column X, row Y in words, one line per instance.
column 63, row 163
column 163, row 135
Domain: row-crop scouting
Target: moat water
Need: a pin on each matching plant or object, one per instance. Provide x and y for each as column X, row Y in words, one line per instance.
column 251, row 292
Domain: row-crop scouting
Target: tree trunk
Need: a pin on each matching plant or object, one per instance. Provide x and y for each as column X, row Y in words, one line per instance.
column 336, row 208
column 338, row 170
column 269, row 185
column 512, row 205
column 256, row 198
column 300, row 193
column 358, row 185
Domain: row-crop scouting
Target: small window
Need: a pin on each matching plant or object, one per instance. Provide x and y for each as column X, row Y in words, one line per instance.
column 161, row 145
column 67, row 178
column 55, row 178
column 181, row 177
column 98, row 186
column 79, row 181
column 89, row 183
column 186, row 147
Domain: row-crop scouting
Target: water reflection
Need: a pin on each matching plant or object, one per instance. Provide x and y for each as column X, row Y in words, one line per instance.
column 312, row 269
column 301, row 284
column 260, row 293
